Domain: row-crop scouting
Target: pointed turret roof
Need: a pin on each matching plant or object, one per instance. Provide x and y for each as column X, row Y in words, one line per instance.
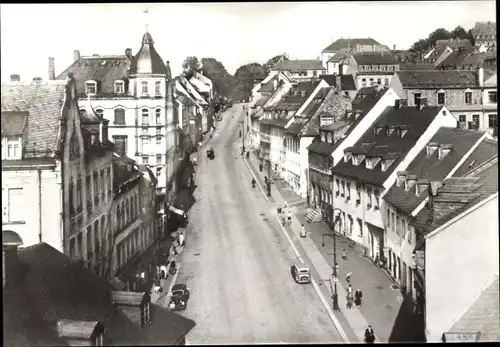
column 89, row 117
column 147, row 60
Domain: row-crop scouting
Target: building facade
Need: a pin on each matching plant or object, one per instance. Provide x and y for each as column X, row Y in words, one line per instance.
column 300, row 70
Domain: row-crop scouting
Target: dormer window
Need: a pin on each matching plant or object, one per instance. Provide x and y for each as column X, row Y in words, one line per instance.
column 119, row 87
column 90, row 87
column 431, row 148
column 158, row 88
column 444, row 150
column 369, row 163
column 402, row 130
column 144, row 88
column 377, row 130
column 347, row 156
column 389, row 130
column 323, row 137
column 410, row 182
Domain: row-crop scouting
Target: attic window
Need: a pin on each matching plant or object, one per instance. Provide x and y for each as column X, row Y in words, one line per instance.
column 377, row 130
column 119, row 87
column 347, row 156
column 90, row 87
column 431, row 148
column 369, row 163
column 389, row 131
column 386, row 163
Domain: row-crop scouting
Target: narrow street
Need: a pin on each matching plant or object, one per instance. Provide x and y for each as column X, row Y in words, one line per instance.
column 237, row 261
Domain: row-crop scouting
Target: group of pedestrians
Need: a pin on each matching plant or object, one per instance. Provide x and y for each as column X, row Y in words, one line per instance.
column 286, row 215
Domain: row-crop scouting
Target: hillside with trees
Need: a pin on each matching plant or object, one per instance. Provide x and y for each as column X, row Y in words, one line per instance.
column 423, row 45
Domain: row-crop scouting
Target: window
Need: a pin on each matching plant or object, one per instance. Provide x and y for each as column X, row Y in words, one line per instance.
column 441, row 98
column 403, row 227
column 397, row 225
column 386, row 81
column 109, row 177
column 145, row 160
column 120, row 116
column 145, row 116
column 358, row 193
column 158, row 116
column 379, row 81
column 119, row 87
column 144, row 88
column 99, row 112
column 158, row 131
column 360, row 227
column 348, row 191
column 377, row 198
column 363, row 82
column 158, row 159
column 120, row 145
column 338, row 186
column 351, row 222
column 89, row 192
column 416, row 98
column 158, row 140
column 462, row 118
column 158, row 172
column 15, row 209
column 468, row 97
column 144, row 142
column 315, row 73
column 475, row 119
column 492, row 121
column 393, row 220
column 90, row 87
column 71, row 198
column 158, row 88
column 492, row 97
column 369, row 204
column 410, row 234
column 343, row 188
column 82, row 112
column 13, row 148
column 388, row 218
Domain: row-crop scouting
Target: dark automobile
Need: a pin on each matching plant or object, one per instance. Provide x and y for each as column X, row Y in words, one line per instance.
column 179, row 298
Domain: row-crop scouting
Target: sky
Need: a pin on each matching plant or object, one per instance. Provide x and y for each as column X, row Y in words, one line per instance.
column 233, row 33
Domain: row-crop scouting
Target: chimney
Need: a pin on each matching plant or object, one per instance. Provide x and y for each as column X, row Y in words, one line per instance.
column 81, row 333
column 36, row 80
column 393, row 48
column 10, row 242
column 338, row 82
column 136, row 306
column 128, row 53
column 480, row 76
column 432, row 192
column 15, row 78
column 76, row 55
column 275, row 84
column 52, row 69
column 103, row 131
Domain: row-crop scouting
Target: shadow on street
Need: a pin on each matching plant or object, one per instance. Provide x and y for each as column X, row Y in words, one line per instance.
column 408, row 327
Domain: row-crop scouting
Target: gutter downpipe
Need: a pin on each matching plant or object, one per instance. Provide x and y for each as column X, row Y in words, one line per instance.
column 40, row 204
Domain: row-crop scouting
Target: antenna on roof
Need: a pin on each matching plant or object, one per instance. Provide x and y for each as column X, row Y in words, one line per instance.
column 146, row 11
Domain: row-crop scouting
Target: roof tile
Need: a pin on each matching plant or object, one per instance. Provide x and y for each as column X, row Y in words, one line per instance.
column 348, row 43
column 299, row 65
column 438, row 78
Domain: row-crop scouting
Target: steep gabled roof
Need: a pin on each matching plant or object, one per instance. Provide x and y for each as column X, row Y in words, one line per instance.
column 416, row 122
column 346, row 81
column 374, row 58
column 456, row 58
column 147, row 60
column 42, row 104
column 432, row 168
column 348, row 43
column 486, row 151
column 438, row 79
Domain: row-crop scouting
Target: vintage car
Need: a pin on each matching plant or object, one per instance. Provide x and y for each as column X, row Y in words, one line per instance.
column 300, row 273
column 179, row 298
column 210, row 154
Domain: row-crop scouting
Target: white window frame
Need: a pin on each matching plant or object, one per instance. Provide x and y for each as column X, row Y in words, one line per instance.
column 14, row 144
column 144, row 111
column 467, row 93
column 144, row 88
column 369, row 195
column 119, row 87
column 158, row 116
column 89, row 83
column 158, row 88
column 444, row 96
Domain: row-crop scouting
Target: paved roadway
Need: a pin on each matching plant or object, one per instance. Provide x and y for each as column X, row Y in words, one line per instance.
column 237, row 261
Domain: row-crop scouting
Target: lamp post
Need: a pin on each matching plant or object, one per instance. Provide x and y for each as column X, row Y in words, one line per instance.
column 243, row 129
column 269, row 175
column 334, row 274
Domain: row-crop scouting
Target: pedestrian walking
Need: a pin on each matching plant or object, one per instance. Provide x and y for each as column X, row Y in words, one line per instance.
column 349, row 289
column 369, row 335
column 357, row 297
column 303, row 231
column 181, row 239
column 348, row 277
column 289, row 214
column 344, row 254
column 349, row 297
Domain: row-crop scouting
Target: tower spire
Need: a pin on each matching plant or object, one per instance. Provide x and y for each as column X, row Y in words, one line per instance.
column 146, row 11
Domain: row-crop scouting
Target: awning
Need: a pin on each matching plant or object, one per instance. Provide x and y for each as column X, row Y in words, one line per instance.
column 176, row 210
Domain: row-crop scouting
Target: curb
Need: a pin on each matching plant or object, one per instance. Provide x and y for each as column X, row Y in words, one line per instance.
column 255, row 178
column 329, row 310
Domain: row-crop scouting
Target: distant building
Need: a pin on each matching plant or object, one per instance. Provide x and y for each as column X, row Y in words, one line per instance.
column 485, row 35
column 373, row 68
column 300, row 70
column 351, row 46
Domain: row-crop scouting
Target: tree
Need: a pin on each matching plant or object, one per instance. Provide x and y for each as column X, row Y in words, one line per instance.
column 459, row 33
column 190, row 66
column 271, row 62
column 438, row 34
column 223, row 81
column 471, row 37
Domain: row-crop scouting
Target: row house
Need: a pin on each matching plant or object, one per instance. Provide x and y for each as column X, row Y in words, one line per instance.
column 134, row 222
column 444, row 156
column 203, row 85
column 338, row 131
column 283, row 88
column 134, row 93
column 300, row 70
column 442, row 49
column 280, row 115
column 485, row 35
column 338, row 64
column 187, row 89
column 373, row 68
column 75, row 307
column 470, row 268
column 351, row 45
column 462, row 92
column 301, row 131
column 369, row 167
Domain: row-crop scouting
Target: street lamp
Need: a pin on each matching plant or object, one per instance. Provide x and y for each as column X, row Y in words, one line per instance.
column 334, row 274
column 243, row 138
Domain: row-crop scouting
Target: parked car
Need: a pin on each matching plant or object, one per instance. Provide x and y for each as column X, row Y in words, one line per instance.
column 179, row 298
column 301, row 273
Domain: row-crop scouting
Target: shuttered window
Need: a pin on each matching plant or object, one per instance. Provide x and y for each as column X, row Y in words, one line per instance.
column 120, row 144
column 120, row 116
